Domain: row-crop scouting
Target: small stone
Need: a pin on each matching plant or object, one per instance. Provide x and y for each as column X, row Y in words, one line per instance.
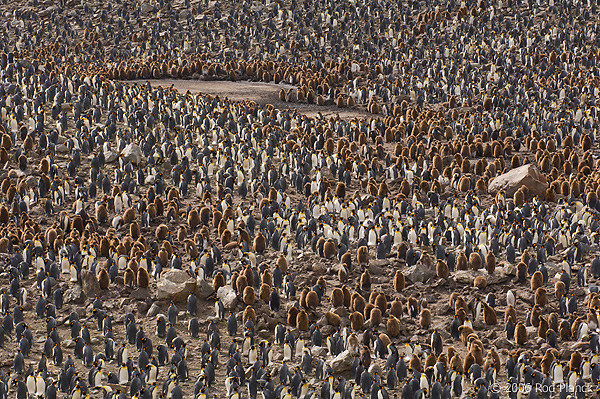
column 467, row 277
column 580, row 346
column 74, row 295
column 48, row 11
column 110, row 156
column 318, row 268
column 503, row 343
column 319, row 351
column 146, row 8
column 531, row 331
column 509, row 269
column 142, row 307
column 153, row 310
column 328, row 330
column 565, row 354
column 80, row 311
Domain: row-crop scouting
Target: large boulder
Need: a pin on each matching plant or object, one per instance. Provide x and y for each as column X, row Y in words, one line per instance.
column 342, row 362
column 228, row 296
column 175, row 285
column 204, row 289
column 419, row 273
column 132, row 153
column 526, row 175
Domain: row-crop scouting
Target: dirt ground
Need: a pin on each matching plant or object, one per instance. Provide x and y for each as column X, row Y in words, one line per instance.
column 260, row 92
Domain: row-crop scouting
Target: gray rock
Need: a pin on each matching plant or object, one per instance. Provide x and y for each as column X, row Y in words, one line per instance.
column 467, row 276
column 328, row 330
column 265, row 334
column 175, row 285
column 140, row 293
column 146, row 8
column 80, row 311
column 89, row 283
column 580, row 346
column 419, row 273
column 132, row 153
column 48, row 11
column 142, row 307
column 153, row 311
column 74, row 295
column 322, row 322
column 149, row 179
column 509, row 269
column 62, row 148
column 526, row 175
column 342, row 362
column 430, row 298
column 110, row 156
column 204, row 289
column 341, row 311
column 228, row 296
column 374, row 368
column 318, row 268
column 378, row 266
column 319, row 351
column 503, row 343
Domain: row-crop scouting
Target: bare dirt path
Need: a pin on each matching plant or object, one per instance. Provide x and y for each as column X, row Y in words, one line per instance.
column 262, row 93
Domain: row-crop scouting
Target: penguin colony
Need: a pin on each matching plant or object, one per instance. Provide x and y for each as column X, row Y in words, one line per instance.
column 343, row 259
